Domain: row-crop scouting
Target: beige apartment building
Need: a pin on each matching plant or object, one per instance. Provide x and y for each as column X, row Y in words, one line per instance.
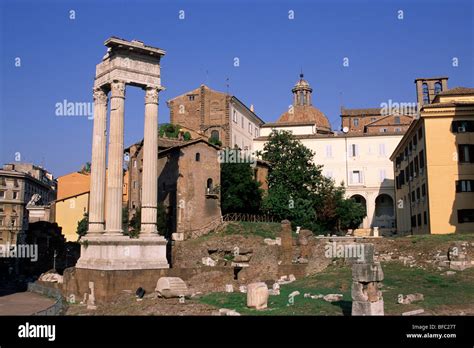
column 18, row 183
column 356, row 158
column 434, row 164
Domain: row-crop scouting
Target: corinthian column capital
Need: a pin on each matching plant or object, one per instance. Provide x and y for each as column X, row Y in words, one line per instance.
column 151, row 95
column 100, row 96
column 117, row 89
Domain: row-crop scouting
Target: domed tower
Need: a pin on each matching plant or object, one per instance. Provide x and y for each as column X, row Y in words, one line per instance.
column 302, row 92
column 302, row 110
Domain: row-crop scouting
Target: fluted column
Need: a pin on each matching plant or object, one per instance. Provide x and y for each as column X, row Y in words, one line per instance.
column 115, row 160
column 97, row 179
column 150, row 164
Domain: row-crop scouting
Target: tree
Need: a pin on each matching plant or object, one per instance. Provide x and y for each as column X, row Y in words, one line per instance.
column 350, row 214
column 82, row 226
column 299, row 192
column 240, row 192
column 86, row 168
column 214, row 141
column 294, row 182
column 169, row 130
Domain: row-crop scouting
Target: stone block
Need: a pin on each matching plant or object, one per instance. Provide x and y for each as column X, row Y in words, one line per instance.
column 367, row 272
column 367, row 308
column 169, row 287
column 257, row 295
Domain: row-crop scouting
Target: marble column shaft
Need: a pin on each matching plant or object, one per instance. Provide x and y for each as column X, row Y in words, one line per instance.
column 150, row 164
column 115, row 160
column 97, row 179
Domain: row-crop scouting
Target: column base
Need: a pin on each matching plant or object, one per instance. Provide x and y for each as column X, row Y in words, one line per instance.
column 109, row 252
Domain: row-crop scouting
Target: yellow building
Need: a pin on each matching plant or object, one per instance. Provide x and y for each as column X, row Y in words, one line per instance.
column 434, row 166
column 73, row 201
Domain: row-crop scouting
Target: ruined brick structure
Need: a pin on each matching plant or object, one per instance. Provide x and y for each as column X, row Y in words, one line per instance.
column 188, row 184
column 216, row 114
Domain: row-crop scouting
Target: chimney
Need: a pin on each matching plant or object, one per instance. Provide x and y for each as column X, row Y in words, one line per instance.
column 251, row 108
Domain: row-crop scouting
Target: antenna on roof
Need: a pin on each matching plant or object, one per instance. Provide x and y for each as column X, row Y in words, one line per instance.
column 207, row 77
column 301, row 74
column 227, row 85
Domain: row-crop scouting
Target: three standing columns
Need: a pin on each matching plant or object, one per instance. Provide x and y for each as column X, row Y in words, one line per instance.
column 112, row 222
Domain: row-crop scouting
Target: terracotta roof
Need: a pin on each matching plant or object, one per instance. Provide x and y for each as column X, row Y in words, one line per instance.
column 338, row 135
column 377, row 122
column 448, row 104
column 281, row 124
column 360, row 112
column 305, row 113
column 458, row 91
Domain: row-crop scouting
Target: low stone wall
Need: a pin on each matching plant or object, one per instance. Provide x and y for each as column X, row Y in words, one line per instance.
column 109, row 284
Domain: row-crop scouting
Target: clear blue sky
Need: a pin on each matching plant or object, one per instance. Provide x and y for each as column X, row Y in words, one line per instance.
column 58, row 58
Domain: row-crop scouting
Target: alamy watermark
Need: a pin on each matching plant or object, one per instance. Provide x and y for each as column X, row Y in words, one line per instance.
column 22, row 251
column 75, row 109
column 237, row 156
column 344, row 251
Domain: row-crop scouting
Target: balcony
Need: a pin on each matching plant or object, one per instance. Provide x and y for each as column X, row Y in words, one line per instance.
column 213, row 192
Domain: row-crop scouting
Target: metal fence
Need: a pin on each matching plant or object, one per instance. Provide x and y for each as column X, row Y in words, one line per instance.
column 57, row 308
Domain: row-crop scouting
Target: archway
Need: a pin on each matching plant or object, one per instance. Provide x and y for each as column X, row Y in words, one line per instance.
column 362, row 201
column 384, row 211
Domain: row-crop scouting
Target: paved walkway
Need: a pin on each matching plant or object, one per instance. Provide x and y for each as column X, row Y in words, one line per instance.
column 24, row 303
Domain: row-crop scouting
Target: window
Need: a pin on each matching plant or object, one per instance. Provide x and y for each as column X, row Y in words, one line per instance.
column 382, row 149
column 462, row 126
column 437, row 88
column 1, row 222
column 426, row 95
column 416, row 166
column 234, row 116
column 413, row 221
column 198, row 157
column 328, row 151
column 256, row 131
column 215, row 135
column 466, row 153
column 420, row 133
column 413, row 196
column 15, row 195
column 135, row 184
column 356, row 177
column 209, row 185
column 425, row 218
column 383, row 130
column 356, row 122
column 354, row 150
column 134, row 163
column 464, row 185
column 423, row 190
column 465, row 215
column 250, row 128
column 243, row 122
column 419, row 220
column 398, row 130
column 415, row 142
column 1, row 208
column 191, row 97
column 418, row 193
column 421, row 157
column 2, row 194
column 397, row 119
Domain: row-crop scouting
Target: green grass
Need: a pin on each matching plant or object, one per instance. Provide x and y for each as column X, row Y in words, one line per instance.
column 440, row 292
column 261, row 229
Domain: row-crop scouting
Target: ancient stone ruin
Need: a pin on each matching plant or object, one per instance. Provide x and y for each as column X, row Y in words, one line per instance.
column 366, row 277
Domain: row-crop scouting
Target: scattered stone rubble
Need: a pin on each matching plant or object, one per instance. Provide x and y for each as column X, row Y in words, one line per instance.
column 410, row 298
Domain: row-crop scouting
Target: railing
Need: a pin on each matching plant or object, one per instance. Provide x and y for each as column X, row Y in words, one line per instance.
column 58, row 306
column 248, row 217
